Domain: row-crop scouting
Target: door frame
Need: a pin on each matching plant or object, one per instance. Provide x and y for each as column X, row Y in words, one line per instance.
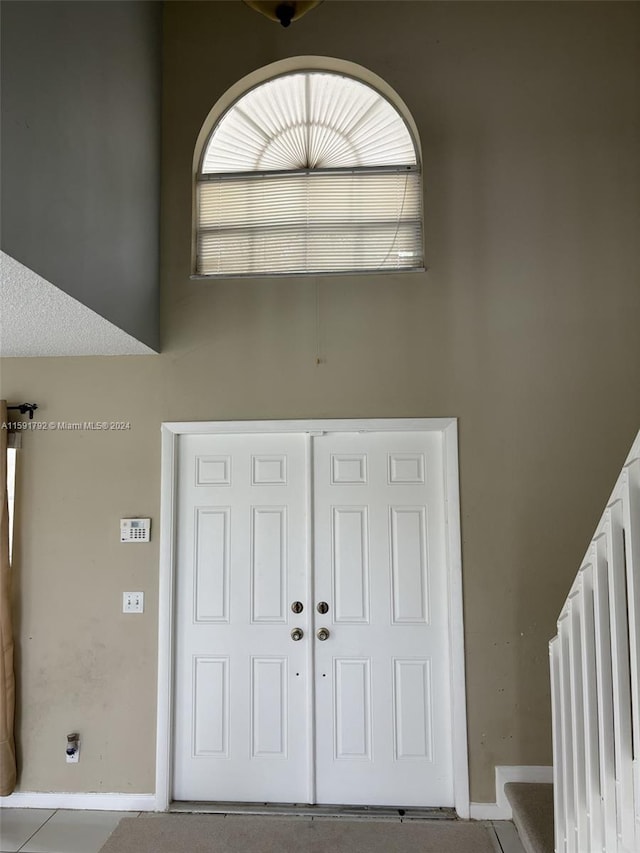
column 171, row 431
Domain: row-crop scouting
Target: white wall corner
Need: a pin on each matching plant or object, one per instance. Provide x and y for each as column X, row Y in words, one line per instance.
column 97, row 802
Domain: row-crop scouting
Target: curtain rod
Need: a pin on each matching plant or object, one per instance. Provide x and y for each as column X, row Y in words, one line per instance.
column 24, row 408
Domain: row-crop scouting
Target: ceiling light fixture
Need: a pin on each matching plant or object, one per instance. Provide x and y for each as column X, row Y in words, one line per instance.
column 283, row 11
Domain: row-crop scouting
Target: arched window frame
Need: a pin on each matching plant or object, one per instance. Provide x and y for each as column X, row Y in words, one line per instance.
column 301, row 65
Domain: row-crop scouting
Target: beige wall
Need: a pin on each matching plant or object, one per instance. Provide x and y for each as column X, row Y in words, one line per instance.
column 525, row 327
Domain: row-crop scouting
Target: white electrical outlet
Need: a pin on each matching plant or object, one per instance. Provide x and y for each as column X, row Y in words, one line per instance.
column 73, row 757
column 73, row 748
column 133, row 602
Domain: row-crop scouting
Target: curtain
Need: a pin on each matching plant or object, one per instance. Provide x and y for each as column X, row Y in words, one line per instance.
column 7, row 678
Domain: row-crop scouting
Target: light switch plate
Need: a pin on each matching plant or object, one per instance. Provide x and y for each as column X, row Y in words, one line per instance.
column 133, row 602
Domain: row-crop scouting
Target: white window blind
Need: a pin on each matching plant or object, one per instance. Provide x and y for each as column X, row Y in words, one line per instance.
column 309, row 173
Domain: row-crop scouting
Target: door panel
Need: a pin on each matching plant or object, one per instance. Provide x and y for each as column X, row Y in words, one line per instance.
column 350, row 578
column 241, row 709
column 373, row 694
column 382, row 678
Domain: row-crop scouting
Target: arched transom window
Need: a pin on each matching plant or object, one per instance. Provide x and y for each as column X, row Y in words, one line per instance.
column 309, row 173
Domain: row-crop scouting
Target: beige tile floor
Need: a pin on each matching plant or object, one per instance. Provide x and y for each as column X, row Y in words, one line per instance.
column 45, row 831
column 62, row 831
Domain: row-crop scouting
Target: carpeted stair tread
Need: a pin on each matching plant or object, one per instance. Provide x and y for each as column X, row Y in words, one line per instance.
column 188, row 833
column 532, row 807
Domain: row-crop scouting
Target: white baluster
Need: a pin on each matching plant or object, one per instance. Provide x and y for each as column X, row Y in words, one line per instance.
column 560, row 819
column 621, row 676
column 605, row 697
column 577, row 714
column 567, row 734
column 592, row 756
column 631, row 523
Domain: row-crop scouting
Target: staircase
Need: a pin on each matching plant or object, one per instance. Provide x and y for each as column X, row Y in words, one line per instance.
column 595, row 685
column 532, row 807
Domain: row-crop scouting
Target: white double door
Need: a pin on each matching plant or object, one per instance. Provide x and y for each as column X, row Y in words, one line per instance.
column 267, row 711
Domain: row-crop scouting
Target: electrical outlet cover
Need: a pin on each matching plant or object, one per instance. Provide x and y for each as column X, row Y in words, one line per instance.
column 133, row 602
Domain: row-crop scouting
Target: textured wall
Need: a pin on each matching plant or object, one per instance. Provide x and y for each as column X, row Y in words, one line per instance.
column 525, row 328
column 81, row 152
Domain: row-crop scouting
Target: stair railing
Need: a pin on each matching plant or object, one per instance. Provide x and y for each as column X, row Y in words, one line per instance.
column 595, row 682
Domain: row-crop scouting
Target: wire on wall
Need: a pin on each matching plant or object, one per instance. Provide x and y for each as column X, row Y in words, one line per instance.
column 319, row 357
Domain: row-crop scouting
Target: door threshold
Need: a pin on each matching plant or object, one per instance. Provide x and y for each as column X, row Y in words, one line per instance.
column 324, row 811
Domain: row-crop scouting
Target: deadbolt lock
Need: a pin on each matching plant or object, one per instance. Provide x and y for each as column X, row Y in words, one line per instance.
column 323, row 607
column 323, row 634
column 297, row 607
column 297, row 634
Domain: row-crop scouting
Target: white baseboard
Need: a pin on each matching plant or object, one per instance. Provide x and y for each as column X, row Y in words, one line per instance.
column 487, row 811
column 96, row 802
column 501, row 809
